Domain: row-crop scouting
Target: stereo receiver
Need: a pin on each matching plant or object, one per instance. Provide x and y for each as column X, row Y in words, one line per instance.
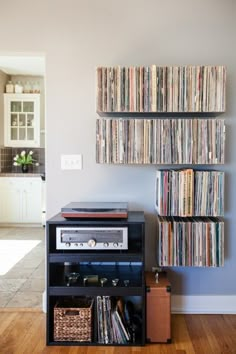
column 92, row 238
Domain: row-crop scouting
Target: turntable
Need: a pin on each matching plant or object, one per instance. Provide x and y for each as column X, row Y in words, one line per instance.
column 78, row 210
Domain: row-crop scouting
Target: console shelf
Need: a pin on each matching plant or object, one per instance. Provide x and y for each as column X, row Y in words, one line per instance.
column 90, row 267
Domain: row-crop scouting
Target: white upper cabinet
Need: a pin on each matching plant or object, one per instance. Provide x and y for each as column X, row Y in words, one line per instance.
column 22, row 120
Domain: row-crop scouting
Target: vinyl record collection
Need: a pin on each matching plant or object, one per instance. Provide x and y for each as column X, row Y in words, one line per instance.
column 189, row 193
column 160, row 141
column 190, row 242
column 166, row 115
column 161, row 89
column 117, row 322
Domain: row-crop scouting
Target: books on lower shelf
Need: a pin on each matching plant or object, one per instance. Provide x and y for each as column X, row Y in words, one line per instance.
column 187, row 192
column 161, row 88
column 160, row 141
column 190, row 242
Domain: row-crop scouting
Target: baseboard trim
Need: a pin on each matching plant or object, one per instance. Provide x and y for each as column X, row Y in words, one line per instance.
column 193, row 304
column 203, row 304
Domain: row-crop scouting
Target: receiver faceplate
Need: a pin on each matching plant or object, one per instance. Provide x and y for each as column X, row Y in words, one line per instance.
column 92, row 238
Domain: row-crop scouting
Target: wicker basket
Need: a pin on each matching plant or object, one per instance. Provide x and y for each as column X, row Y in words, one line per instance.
column 73, row 320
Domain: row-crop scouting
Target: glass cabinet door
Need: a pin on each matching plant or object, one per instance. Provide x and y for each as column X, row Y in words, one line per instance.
column 22, row 120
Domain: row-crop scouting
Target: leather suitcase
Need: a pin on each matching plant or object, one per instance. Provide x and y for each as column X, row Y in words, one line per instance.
column 158, row 311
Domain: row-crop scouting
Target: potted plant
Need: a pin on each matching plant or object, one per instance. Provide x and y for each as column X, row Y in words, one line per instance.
column 24, row 159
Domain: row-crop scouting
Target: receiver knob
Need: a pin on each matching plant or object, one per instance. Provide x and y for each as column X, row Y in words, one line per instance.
column 67, row 244
column 92, row 242
column 105, row 244
column 115, row 244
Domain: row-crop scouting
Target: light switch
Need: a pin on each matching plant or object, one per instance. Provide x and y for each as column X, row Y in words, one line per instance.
column 71, row 162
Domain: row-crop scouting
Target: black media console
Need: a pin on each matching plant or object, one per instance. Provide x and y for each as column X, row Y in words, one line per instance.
column 110, row 279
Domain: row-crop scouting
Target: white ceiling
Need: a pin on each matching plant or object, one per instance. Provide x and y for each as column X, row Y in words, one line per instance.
column 22, row 65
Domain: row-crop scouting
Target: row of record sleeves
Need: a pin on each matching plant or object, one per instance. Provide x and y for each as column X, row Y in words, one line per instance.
column 189, row 192
column 195, row 242
column 114, row 326
column 160, row 141
column 161, row 88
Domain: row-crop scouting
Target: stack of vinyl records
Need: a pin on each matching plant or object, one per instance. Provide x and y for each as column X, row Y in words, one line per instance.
column 161, row 89
column 190, row 242
column 160, row 141
column 187, row 192
column 115, row 323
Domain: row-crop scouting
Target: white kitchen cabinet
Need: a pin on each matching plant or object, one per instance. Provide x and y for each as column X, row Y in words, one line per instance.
column 22, row 120
column 32, row 201
column 21, row 200
column 10, row 198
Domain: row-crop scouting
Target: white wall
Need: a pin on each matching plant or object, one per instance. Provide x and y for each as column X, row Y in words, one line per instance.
column 76, row 36
column 3, row 80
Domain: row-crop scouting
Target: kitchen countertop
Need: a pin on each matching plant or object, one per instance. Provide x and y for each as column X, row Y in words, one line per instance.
column 20, row 174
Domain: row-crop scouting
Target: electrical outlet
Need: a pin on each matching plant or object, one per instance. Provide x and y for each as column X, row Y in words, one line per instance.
column 71, row 162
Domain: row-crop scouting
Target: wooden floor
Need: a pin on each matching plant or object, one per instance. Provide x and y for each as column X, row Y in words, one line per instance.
column 24, row 332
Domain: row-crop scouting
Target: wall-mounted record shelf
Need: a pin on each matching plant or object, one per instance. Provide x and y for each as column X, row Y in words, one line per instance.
column 166, row 115
column 161, row 89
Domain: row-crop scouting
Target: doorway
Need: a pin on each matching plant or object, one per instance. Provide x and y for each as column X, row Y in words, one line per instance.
column 22, row 206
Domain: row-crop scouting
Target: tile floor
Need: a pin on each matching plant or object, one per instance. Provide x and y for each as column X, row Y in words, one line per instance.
column 23, row 284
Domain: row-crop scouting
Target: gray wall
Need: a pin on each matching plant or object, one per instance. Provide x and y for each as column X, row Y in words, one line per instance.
column 77, row 36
